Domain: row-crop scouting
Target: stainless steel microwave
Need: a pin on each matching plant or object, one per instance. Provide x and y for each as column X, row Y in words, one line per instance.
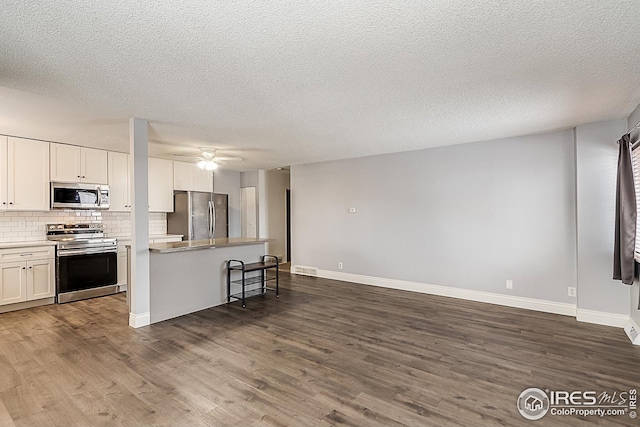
column 79, row 196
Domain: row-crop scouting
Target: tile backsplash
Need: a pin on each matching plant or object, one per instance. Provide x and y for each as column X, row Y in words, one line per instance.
column 31, row 226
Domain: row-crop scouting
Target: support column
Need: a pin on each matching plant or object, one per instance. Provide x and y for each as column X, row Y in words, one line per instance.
column 139, row 172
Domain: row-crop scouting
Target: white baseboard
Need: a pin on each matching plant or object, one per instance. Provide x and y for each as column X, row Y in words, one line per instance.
column 446, row 291
column 633, row 331
column 139, row 320
column 602, row 318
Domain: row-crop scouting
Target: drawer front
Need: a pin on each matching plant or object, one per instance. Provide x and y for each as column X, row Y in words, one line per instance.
column 27, row 254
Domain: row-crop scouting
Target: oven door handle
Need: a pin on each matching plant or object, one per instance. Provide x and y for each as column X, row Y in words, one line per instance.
column 86, row 252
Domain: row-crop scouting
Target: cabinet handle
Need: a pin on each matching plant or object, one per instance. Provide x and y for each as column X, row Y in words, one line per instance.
column 10, row 203
column 78, row 176
column 4, row 203
column 30, row 267
column 24, row 268
column 83, row 176
column 26, row 254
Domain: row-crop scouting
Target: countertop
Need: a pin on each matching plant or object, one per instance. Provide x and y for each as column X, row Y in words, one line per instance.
column 189, row 245
column 27, row 244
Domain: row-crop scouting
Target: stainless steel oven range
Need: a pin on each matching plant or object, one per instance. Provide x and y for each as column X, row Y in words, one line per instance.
column 86, row 261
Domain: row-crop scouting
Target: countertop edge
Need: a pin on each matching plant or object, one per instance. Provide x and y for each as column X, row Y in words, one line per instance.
column 13, row 245
column 157, row 247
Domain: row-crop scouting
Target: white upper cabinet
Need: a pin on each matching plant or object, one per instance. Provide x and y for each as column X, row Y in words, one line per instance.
column 24, row 174
column 65, row 163
column 78, row 164
column 160, row 185
column 120, row 199
column 4, row 197
column 189, row 177
column 94, row 166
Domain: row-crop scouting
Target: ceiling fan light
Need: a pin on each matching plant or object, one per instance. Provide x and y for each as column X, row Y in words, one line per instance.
column 202, row 164
column 210, row 165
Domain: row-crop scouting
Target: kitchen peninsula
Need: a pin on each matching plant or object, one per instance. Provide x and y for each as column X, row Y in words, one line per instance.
column 189, row 276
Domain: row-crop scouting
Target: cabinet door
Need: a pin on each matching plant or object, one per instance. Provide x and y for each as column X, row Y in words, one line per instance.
column 65, row 163
column 13, row 282
column 94, row 166
column 119, row 182
column 122, row 268
column 40, row 279
column 160, row 185
column 202, row 179
column 28, row 175
column 4, row 200
column 182, row 176
column 189, row 177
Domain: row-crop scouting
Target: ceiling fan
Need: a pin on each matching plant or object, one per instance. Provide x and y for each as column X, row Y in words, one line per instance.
column 208, row 159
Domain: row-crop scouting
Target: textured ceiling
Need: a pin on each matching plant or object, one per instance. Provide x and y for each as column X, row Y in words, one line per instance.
column 285, row 82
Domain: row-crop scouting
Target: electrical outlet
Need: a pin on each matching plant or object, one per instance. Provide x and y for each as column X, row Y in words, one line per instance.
column 339, row 265
column 353, row 210
column 572, row 291
column 22, row 224
column 509, row 284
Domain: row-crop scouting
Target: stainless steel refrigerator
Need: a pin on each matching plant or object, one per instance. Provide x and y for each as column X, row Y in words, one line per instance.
column 199, row 216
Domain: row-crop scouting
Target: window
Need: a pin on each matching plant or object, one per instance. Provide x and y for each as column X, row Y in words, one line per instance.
column 635, row 161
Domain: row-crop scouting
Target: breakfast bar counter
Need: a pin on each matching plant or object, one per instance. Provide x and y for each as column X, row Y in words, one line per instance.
column 189, row 245
column 189, row 276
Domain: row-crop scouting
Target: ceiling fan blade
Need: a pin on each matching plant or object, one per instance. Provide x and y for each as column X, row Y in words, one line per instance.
column 228, row 159
column 194, row 155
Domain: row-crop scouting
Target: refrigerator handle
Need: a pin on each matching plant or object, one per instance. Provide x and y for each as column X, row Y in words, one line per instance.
column 192, row 230
column 213, row 220
column 209, row 219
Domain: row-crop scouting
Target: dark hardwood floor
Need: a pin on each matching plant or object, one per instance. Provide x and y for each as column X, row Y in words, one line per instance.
column 324, row 353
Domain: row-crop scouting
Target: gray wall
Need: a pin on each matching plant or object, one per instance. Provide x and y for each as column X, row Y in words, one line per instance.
column 276, row 184
column 249, row 179
column 228, row 182
column 635, row 290
column 466, row 216
column 596, row 159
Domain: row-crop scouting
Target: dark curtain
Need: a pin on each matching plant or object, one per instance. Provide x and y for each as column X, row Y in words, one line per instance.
column 625, row 233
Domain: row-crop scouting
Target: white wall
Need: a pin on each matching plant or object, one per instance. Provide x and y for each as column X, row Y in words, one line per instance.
column 228, row 182
column 596, row 160
column 634, row 118
column 465, row 216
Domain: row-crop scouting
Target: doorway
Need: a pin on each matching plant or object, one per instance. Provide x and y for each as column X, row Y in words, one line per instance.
column 248, row 212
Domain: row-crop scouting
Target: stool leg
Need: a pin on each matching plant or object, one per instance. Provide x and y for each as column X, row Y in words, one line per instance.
column 243, row 304
column 228, row 284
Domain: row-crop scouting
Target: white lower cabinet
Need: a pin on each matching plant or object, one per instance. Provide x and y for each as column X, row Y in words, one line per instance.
column 41, row 281
column 27, row 274
column 13, row 282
